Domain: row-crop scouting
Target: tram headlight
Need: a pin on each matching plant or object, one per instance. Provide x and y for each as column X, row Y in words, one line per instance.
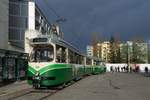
column 37, row 78
column 37, row 73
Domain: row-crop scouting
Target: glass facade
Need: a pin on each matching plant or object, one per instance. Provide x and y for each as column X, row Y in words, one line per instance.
column 18, row 22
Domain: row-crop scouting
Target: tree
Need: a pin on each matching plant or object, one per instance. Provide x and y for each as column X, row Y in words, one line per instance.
column 94, row 41
column 118, row 58
column 139, row 48
column 117, row 48
column 112, row 51
column 124, row 53
column 148, row 53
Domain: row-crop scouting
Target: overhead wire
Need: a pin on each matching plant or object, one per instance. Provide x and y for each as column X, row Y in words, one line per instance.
column 51, row 8
column 60, row 18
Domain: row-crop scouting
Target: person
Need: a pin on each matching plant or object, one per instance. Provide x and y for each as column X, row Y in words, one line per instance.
column 146, row 69
column 118, row 69
column 137, row 69
column 121, row 69
column 115, row 69
column 111, row 68
column 130, row 69
column 127, row 69
column 124, row 68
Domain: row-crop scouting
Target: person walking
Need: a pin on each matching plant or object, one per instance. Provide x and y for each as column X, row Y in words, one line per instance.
column 146, row 70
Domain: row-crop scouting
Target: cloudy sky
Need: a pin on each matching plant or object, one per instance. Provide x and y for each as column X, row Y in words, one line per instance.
column 127, row 18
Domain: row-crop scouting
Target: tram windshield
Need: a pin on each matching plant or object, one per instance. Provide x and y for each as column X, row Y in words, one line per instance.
column 42, row 54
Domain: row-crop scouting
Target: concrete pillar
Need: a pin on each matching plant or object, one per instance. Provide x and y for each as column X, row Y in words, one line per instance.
column 4, row 7
column 31, row 15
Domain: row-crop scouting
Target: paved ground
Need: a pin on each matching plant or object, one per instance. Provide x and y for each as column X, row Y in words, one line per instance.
column 14, row 87
column 110, row 86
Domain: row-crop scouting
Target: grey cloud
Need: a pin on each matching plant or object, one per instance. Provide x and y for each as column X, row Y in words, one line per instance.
column 128, row 17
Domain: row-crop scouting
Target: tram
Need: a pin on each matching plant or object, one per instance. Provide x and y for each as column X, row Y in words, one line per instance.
column 54, row 62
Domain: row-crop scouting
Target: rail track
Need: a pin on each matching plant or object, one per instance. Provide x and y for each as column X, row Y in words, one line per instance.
column 34, row 94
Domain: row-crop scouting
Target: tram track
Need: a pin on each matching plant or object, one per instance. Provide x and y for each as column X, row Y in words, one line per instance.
column 35, row 94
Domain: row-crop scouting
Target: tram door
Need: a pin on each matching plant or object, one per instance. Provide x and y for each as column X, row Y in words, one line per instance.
column 1, row 70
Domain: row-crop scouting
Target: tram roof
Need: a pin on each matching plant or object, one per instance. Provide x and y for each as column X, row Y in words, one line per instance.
column 57, row 40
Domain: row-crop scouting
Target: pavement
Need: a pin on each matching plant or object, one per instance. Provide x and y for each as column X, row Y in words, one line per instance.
column 14, row 87
column 109, row 86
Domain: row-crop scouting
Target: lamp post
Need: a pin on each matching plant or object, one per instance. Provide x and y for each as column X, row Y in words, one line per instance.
column 129, row 44
column 148, row 51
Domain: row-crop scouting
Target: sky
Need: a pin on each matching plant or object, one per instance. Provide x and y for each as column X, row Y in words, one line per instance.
column 126, row 18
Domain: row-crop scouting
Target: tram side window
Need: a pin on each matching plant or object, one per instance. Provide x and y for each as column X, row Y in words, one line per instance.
column 88, row 61
column 82, row 60
column 60, row 54
column 70, row 57
column 76, row 58
column 96, row 62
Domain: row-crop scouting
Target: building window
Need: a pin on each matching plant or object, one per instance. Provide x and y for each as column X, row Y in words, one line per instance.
column 14, row 8
column 18, row 21
column 14, row 34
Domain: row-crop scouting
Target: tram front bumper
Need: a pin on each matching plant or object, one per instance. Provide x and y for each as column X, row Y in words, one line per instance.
column 36, row 81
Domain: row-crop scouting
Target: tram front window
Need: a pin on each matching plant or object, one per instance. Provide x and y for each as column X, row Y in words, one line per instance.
column 42, row 55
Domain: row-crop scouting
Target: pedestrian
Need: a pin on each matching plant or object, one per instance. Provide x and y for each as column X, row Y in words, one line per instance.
column 130, row 69
column 127, row 69
column 121, row 69
column 124, row 68
column 115, row 69
column 111, row 69
column 137, row 69
column 118, row 69
column 146, row 70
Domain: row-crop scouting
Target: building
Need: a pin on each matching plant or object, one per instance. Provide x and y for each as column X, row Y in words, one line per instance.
column 18, row 24
column 98, row 50
column 25, row 16
column 123, row 52
column 102, row 50
column 134, row 52
column 142, row 52
column 18, row 18
column 89, row 50
column 4, row 24
column 105, row 51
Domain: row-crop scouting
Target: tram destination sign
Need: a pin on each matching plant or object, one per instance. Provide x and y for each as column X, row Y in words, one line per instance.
column 40, row 40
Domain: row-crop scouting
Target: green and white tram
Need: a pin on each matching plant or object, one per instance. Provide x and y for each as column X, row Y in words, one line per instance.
column 54, row 62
